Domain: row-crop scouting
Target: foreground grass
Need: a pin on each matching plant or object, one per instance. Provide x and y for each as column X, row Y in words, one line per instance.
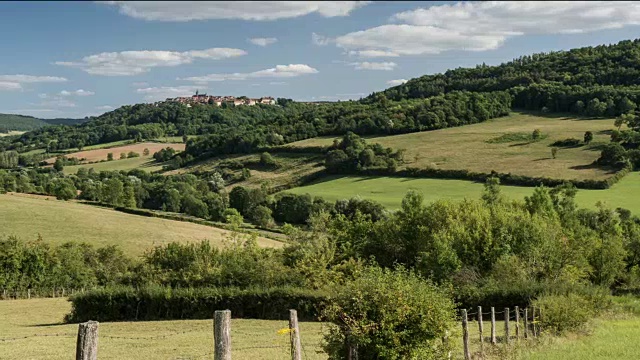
column 186, row 339
column 59, row 221
column 390, row 190
column 468, row 147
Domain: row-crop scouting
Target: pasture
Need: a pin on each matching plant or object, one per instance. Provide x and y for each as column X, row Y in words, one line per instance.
column 11, row 133
column 474, row 147
column 146, row 163
column 26, row 216
column 48, row 338
column 101, row 153
column 389, row 191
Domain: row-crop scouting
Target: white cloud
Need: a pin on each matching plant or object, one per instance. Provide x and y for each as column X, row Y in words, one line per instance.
column 104, row 107
column 263, row 41
column 386, row 66
column 140, row 84
column 480, row 26
column 163, row 92
column 244, row 10
column 78, row 92
column 396, row 82
column 9, row 86
column 280, row 71
column 126, row 63
column 320, row 40
column 278, row 83
column 23, row 79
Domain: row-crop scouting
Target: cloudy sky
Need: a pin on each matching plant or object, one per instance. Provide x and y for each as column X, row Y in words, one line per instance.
column 73, row 59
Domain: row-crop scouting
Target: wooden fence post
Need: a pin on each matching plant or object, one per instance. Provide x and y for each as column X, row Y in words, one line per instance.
column 465, row 335
column 526, row 322
column 493, row 326
column 533, row 321
column 87, row 344
column 294, row 330
column 445, row 343
column 480, row 329
column 517, row 323
column 29, row 293
column 222, row 335
column 506, row 326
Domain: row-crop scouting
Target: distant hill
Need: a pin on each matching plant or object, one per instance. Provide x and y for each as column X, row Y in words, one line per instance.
column 14, row 122
column 10, row 122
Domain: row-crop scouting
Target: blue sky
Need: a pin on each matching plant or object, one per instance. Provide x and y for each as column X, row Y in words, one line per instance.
column 73, row 59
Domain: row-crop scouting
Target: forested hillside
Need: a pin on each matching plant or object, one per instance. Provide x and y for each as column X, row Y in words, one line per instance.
column 243, row 128
column 617, row 64
column 10, row 122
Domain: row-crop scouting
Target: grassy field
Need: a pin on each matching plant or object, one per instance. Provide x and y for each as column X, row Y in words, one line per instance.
column 40, row 319
column 101, row 154
column 11, row 133
column 146, row 163
column 390, row 190
column 292, row 166
column 469, row 147
column 26, row 216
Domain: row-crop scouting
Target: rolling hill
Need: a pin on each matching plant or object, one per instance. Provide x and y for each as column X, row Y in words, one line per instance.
column 14, row 122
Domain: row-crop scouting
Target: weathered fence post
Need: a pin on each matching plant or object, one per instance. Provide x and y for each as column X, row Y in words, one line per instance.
column 526, row 323
column 28, row 293
column 294, row 330
column 533, row 321
column 480, row 329
column 445, row 343
column 222, row 335
column 506, row 325
column 493, row 326
column 517, row 323
column 87, row 345
column 62, row 292
column 465, row 335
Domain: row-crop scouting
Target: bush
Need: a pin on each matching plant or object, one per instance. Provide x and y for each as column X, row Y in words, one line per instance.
column 388, row 314
column 570, row 142
column 267, row 160
column 162, row 303
column 132, row 154
column 561, row 313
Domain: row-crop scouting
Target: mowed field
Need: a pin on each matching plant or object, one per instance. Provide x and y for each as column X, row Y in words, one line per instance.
column 146, row 163
column 101, row 154
column 466, row 147
column 389, row 191
column 11, row 133
column 41, row 321
column 26, row 216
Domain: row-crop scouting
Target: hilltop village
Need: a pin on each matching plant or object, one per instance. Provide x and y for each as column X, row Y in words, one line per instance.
column 219, row 100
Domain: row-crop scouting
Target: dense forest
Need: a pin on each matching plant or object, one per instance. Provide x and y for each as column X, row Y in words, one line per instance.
column 617, row 65
column 10, row 122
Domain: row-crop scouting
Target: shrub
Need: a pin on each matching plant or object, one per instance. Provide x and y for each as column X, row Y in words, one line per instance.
column 561, row 313
column 261, row 216
column 569, row 142
column 163, row 303
column 267, row 160
column 388, row 314
column 536, row 134
column 109, row 156
column 145, row 152
column 132, row 154
column 554, row 152
column 123, row 156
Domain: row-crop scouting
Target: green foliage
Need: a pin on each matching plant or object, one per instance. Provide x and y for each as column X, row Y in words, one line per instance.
column 570, row 142
column 588, row 137
column 261, row 216
column 123, row 156
column 516, row 136
column 388, row 314
column 267, row 160
column 164, row 154
column 353, row 153
column 562, row 313
column 536, row 134
column 159, row 303
column 9, row 122
column 110, row 157
column 554, row 152
column 145, row 152
column 58, row 165
column 132, row 154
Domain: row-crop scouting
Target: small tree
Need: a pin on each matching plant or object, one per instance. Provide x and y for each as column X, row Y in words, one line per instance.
column 491, row 193
column 145, row 152
column 132, row 154
column 388, row 314
column 109, row 156
column 554, row 152
column 185, row 138
column 588, row 136
column 59, row 164
column 536, row 134
column 123, row 156
column 261, row 216
column 246, row 173
column 267, row 160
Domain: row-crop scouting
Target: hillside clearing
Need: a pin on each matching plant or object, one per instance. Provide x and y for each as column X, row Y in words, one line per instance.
column 11, row 133
column 186, row 339
column 101, row 154
column 146, row 163
column 389, row 191
column 467, row 147
column 58, row 221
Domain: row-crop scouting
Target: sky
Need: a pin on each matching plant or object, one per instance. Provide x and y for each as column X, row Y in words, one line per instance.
column 77, row 59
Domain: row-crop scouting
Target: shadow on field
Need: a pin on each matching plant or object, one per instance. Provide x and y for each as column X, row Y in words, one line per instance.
column 47, row 325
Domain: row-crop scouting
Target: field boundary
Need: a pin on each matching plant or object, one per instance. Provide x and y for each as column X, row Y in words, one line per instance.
column 505, row 179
